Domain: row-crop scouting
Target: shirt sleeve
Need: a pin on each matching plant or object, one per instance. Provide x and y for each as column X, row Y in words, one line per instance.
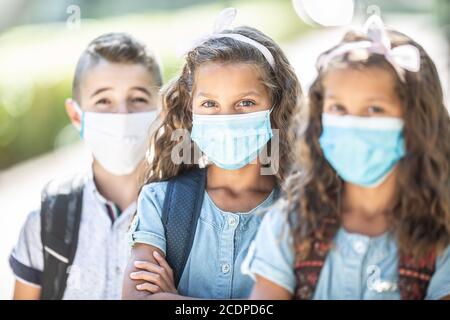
column 271, row 254
column 439, row 286
column 26, row 259
column 147, row 225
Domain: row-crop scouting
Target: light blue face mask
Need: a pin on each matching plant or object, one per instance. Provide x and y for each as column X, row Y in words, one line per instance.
column 232, row 141
column 362, row 150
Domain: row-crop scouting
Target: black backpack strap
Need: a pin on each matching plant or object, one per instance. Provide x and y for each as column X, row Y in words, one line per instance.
column 181, row 210
column 61, row 206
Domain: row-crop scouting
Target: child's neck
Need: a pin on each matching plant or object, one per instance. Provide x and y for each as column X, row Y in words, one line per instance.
column 121, row 190
column 248, row 178
column 366, row 210
column 238, row 190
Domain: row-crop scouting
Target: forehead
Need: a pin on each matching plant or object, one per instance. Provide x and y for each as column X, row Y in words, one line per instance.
column 372, row 81
column 115, row 75
column 213, row 76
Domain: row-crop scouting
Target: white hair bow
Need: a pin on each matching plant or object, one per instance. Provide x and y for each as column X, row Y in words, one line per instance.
column 223, row 22
column 403, row 57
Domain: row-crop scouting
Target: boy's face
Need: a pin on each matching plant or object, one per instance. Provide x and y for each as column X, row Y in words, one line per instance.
column 117, row 88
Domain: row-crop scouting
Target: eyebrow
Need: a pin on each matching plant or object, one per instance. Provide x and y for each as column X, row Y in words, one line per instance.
column 378, row 99
column 100, row 91
column 143, row 90
column 205, row 94
column 249, row 93
column 331, row 96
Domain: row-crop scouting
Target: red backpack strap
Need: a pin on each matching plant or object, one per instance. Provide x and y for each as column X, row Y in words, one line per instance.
column 414, row 275
column 310, row 258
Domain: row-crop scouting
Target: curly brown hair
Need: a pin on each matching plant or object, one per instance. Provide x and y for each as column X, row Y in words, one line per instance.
column 281, row 81
column 420, row 216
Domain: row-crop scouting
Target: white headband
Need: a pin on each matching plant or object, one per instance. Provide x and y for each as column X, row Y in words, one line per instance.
column 404, row 57
column 223, row 22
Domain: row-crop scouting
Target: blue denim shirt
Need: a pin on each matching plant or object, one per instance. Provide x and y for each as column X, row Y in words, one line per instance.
column 220, row 245
column 358, row 267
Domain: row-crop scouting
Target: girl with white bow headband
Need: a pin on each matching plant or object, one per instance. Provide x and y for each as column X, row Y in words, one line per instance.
column 367, row 215
column 235, row 97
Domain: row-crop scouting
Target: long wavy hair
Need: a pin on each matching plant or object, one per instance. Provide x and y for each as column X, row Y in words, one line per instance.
column 281, row 81
column 420, row 215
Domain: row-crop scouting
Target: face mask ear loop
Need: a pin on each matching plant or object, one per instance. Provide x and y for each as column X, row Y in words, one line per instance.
column 269, row 116
column 270, row 113
column 81, row 114
column 77, row 108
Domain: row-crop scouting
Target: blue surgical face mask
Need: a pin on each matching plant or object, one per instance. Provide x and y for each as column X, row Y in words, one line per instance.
column 232, row 141
column 362, row 150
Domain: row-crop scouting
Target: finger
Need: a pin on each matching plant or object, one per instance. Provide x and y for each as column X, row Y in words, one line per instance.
column 148, row 287
column 154, row 268
column 148, row 266
column 153, row 278
column 147, row 276
column 163, row 263
column 159, row 275
column 167, row 273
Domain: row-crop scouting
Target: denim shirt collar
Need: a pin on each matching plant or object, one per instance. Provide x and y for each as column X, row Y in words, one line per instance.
column 355, row 244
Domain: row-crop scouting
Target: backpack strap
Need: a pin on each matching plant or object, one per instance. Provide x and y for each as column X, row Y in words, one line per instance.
column 414, row 275
column 310, row 258
column 181, row 210
column 61, row 206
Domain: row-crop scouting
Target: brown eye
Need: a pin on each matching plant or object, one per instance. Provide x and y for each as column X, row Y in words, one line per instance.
column 103, row 101
column 337, row 108
column 209, row 104
column 246, row 103
column 139, row 100
column 376, row 110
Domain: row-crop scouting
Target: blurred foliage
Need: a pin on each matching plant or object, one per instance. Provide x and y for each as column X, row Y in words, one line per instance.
column 37, row 64
column 442, row 8
column 43, row 11
column 399, row 6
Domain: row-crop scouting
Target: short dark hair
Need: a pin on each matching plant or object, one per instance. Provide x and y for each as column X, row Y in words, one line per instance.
column 116, row 48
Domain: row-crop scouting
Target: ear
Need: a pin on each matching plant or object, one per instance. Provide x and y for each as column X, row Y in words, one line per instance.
column 74, row 116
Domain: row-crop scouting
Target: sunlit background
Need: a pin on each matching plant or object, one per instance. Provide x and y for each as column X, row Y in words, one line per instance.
column 40, row 41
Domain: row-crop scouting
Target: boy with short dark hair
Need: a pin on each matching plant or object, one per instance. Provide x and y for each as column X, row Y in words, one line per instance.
column 61, row 249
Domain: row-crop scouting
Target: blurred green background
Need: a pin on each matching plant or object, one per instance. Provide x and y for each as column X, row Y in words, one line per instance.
column 39, row 50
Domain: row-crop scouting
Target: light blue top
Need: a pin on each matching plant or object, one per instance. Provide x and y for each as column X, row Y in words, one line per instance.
column 220, row 245
column 359, row 267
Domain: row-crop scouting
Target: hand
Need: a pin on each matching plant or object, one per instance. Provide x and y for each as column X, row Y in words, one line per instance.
column 157, row 277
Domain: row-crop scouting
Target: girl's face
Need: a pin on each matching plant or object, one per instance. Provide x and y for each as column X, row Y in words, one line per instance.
column 231, row 88
column 366, row 93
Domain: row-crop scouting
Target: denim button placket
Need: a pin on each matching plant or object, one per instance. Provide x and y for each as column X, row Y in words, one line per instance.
column 225, row 268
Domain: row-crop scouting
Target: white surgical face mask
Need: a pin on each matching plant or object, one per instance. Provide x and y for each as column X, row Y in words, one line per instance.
column 117, row 141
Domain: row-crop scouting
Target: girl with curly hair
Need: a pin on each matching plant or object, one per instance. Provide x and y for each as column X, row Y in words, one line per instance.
column 366, row 213
column 235, row 91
